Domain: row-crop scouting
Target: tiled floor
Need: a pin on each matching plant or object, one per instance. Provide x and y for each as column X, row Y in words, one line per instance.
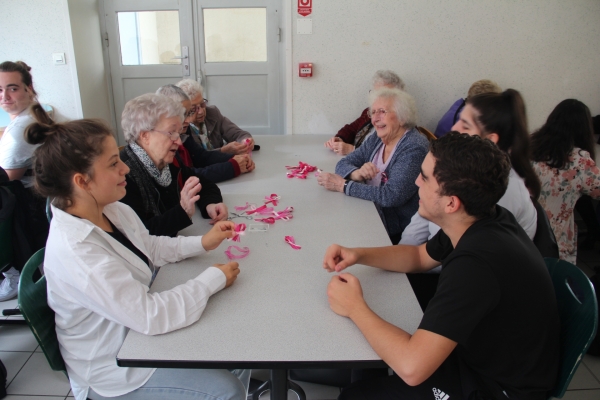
column 30, row 377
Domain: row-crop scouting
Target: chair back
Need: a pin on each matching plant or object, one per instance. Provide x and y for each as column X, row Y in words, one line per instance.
column 578, row 311
column 7, row 207
column 39, row 316
column 544, row 238
column 427, row 133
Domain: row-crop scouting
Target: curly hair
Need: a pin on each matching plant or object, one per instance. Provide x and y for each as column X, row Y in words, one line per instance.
column 144, row 112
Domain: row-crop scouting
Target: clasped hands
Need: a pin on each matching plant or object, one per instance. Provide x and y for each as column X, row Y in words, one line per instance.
column 335, row 182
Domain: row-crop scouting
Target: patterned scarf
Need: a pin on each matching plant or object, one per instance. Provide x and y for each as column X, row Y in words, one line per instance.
column 140, row 176
column 163, row 178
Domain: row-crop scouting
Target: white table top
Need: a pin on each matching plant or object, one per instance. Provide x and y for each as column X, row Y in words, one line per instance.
column 276, row 314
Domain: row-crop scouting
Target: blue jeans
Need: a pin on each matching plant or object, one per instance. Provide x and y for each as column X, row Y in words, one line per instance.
column 205, row 384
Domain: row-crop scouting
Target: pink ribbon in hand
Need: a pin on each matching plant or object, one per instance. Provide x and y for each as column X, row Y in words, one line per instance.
column 239, row 230
column 244, row 251
column 290, row 240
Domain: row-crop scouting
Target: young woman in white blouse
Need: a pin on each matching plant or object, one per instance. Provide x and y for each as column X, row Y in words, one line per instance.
column 99, row 264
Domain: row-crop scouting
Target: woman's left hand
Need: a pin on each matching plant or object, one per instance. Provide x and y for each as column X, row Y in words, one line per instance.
column 332, row 182
column 217, row 212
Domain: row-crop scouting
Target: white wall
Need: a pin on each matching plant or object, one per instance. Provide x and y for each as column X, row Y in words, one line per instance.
column 546, row 49
column 31, row 31
column 87, row 43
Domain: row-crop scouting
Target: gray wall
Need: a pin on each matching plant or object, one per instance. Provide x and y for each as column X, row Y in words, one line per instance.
column 546, row 49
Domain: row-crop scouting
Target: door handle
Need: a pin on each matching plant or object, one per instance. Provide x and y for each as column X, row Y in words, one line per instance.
column 185, row 64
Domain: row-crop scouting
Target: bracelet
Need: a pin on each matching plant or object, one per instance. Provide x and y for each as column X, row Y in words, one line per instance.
column 345, row 185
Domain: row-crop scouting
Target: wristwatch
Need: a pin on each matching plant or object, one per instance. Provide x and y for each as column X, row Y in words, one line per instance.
column 345, row 185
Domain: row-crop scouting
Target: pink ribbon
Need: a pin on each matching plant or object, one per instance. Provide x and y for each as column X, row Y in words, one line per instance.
column 244, row 251
column 268, row 220
column 272, row 199
column 239, row 231
column 262, row 210
column 300, row 171
column 290, row 240
column 242, row 208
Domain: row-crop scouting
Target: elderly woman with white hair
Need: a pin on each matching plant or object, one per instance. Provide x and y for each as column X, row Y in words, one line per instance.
column 213, row 165
column 385, row 167
column 351, row 136
column 163, row 194
column 212, row 129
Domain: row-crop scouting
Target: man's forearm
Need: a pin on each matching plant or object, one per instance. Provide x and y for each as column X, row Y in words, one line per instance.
column 395, row 258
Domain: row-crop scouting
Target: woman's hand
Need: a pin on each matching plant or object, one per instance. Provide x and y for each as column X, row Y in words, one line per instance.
column 364, row 173
column 217, row 212
column 231, row 271
column 245, row 162
column 330, row 142
column 332, row 182
column 189, row 195
column 342, row 148
column 221, row 231
column 239, row 148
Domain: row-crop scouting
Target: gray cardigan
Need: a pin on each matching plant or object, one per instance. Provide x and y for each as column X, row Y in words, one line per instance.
column 397, row 200
column 220, row 128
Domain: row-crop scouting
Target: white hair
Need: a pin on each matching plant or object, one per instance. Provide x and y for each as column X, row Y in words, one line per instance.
column 173, row 92
column 191, row 88
column 144, row 112
column 388, row 77
column 404, row 104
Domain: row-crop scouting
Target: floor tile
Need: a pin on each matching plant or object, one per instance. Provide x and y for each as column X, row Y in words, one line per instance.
column 17, row 338
column 593, row 364
column 46, row 382
column 13, row 361
column 584, row 379
column 582, row 395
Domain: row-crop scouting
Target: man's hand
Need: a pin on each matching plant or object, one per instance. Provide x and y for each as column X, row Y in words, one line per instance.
column 364, row 173
column 332, row 182
column 345, row 295
column 238, row 148
column 217, row 212
column 220, row 231
column 189, row 195
column 231, row 271
column 338, row 258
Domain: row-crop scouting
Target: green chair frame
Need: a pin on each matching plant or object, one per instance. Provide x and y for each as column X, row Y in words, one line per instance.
column 39, row 316
column 578, row 311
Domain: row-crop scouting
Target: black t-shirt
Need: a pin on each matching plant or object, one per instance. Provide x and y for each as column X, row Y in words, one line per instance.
column 124, row 240
column 496, row 300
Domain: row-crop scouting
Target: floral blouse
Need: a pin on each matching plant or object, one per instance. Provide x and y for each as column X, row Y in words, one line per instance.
column 561, row 188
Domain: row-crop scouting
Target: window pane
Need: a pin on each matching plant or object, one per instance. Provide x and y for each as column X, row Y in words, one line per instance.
column 235, row 34
column 149, row 37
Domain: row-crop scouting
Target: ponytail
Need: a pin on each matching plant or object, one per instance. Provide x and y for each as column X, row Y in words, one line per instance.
column 504, row 114
column 66, row 149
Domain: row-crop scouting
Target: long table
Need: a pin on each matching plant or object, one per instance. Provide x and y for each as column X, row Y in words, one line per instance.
column 276, row 315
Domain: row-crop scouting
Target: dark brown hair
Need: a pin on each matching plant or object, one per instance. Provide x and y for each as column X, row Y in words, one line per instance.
column 569, row 125
column 471, row 168
column 66, row 149
column 21, row 68
column 504, row 114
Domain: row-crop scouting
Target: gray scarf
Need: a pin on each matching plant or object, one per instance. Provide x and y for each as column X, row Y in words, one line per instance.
column 163, row 178
column 143, row 180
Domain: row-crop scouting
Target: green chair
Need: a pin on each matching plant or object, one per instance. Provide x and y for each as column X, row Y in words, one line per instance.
column 578, row 311
column 39, row 316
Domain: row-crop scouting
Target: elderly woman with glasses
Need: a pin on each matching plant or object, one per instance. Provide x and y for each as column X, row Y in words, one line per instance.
column 385, row 167
column 162, row 192
column 211, row 128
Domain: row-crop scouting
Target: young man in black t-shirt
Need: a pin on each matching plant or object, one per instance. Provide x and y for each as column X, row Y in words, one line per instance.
column 492, row 330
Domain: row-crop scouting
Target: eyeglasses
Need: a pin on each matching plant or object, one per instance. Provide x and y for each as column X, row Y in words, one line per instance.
column 172, row 135
column 372, row 113
column 199, row 106
column 191, row 112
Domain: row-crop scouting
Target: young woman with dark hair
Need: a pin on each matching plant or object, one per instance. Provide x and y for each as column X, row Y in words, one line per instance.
column 563, row 157
column 19, row 99
column 99, row 264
